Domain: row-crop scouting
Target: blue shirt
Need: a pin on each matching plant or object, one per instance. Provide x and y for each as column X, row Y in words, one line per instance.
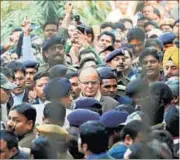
column 18, row 99
column 103, row 155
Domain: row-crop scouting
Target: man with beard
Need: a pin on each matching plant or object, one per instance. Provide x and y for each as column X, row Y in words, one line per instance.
column 171, row 62
column 19, row 94
column 53, row 52
column 116, row 60
column 151, row 65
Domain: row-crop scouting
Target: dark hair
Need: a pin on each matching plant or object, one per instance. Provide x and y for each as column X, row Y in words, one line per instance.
column 73, row 148
column 7, row 72
column 150, row 22
column 133, row 128
column 16, row 66
column 94, row 134
column 143, row 19
column 106, row 24
column 130, row 47
column 123, row 20
column 136, row 33
column 164, row 137
column 172, row 121
column 10, row 138
column 50, row 23
column 163, row 92
column 149, row 51
column 89, row 30
column 160, row 150
column 27, row 110
column 86, row 60
column 42, row 149
column 108, row 34
column 141, row 151
column 55, row 111
column 153, row 43
column 136, row 86
column 39, row 75
column 85, row 51
column 120, row 25
column 128, row 50
column 16, row 30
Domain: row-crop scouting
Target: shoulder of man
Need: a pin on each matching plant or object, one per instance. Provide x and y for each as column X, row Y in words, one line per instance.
column 27, row 140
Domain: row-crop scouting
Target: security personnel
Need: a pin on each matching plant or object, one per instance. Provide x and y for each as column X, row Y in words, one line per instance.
column 116, row 59
column 167, row 39
column 59, row 90
column 53, row 52
column 112, row 120
column 94, row 140
column 88, row 103
column 31, row 69
column 58, row 138
column 76, row 118
column 109, row 85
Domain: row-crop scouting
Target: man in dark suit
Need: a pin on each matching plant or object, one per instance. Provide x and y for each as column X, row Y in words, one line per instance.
column 89, row 83
column 19, row 94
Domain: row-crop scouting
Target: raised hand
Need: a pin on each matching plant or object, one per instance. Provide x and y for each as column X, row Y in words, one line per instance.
column 26, row 26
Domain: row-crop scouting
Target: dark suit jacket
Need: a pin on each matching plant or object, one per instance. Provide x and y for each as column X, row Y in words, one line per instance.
column 11, row 101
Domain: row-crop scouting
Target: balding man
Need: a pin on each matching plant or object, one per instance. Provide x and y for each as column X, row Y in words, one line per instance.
column 89, row 83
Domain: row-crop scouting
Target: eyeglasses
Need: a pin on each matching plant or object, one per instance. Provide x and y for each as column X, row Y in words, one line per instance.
column 90, row 82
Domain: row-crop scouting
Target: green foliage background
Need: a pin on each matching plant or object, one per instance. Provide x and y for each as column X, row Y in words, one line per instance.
column 14, row 12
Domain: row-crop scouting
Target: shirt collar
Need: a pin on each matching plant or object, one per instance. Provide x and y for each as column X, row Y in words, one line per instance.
column 20, row 95
column 97, row 96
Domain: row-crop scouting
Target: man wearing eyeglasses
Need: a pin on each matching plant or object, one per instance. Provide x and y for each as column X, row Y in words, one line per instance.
column 89, row 83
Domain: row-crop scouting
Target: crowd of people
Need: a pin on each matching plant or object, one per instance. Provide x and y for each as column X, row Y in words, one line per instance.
column 81, row 93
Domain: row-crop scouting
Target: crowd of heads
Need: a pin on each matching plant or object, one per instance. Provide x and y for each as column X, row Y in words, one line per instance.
column 79, row 92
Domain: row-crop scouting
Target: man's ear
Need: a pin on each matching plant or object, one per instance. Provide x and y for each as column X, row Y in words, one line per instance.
column 29, row 125
column 84, row 147
column 128, row 140
column 14, row 150
column 46, row 54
